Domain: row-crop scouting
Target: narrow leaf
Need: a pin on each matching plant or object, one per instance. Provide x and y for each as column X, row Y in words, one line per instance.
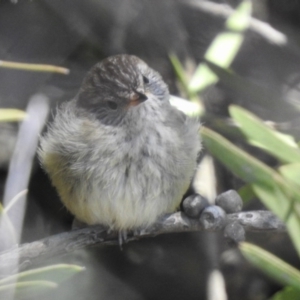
column 223, row 48
column 26, row 289
column 271, row 265
column 238, row 161
column 260, row 135
column 246, row 192
column 55, row 273
column 291, row 172
column 240, row 19
column 11, row 115
column 273, row 190
column 179, row 70
column 288, row 293
column 33, row 67
column 284, row 207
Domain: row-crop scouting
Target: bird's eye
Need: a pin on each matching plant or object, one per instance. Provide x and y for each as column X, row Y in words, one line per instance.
column 145, row 79
column 112, row 105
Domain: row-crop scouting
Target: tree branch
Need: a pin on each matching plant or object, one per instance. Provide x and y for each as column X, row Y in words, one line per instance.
column 66, row 242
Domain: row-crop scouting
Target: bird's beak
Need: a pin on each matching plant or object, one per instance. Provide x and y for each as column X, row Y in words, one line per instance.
column 137, row 97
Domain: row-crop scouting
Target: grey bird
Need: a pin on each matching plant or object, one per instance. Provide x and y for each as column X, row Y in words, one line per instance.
column 119, row 154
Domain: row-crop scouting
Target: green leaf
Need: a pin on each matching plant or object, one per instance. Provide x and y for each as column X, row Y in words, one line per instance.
column 272, row 197
column 179, row 70
column 259, row 134
column 271, row 265
column 288, row 293
column 223, row 48
column 26, row 289
column 203, row 77
column 12, row 115
column 283, row 206
column 238, row 161
column 55, row 273
column 240, row 19
column 291, row 172
column 221, row 52
column 246, row 193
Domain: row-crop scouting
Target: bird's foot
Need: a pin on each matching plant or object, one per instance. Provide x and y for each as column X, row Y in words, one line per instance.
column 122, row 237
column 139, row 231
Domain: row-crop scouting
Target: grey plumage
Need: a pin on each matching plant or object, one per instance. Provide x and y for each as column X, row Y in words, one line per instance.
column 119, row 154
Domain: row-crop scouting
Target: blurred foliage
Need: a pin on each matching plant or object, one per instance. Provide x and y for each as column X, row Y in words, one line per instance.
column 28, row 284
column 223, row 49
column 276, row 268
column 279, row 188
column 289, row 293
column 221, row 52
column 272, row 265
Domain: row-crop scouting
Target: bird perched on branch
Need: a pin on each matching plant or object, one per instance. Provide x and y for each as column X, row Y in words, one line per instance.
column 119, row 154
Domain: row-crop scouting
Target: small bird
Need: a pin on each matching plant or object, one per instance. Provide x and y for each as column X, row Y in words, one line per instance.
column 119, row 154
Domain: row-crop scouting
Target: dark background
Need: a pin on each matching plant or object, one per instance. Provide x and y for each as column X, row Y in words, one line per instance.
column 76, row 34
